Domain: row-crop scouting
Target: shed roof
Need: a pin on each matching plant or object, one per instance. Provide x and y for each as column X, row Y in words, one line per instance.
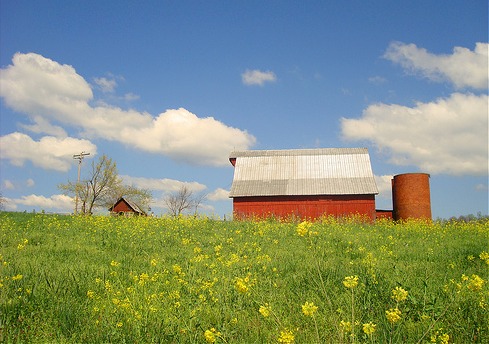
column 326, row 171
column 131, row 205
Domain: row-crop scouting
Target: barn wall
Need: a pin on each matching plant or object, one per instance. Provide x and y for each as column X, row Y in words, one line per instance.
column 122, row 207
column 383, row 214
column 308, row 207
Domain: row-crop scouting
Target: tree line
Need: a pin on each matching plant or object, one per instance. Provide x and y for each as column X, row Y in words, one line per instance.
column 103, row 187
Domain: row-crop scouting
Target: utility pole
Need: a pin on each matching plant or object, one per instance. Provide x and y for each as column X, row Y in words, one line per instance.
column 80, row 158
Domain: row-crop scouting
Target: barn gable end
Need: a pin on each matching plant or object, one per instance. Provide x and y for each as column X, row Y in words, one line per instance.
column 126, row 207
column 303, row 182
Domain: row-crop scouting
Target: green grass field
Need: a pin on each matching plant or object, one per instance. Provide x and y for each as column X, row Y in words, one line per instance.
column 66, row 279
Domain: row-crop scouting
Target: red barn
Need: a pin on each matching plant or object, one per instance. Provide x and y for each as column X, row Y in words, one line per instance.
column 126, row 207
column 307, row 183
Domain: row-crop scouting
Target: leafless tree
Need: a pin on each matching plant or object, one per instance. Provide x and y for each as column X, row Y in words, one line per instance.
column 182, row 201
column 2, row 201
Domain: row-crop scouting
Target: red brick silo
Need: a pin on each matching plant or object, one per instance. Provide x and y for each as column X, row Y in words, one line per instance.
column 411, row 196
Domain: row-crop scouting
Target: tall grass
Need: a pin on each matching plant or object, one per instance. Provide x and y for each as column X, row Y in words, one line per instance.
column 66, row 279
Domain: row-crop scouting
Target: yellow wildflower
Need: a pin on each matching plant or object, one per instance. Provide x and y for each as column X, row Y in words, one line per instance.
column 369, row 328
column 393, row 315
column 114, row 263
column 242, row 285
column 137, row 315
column 265, row 310
column 154, row 262
column 177, row 269
column 350, row 281
column 309, row 308
column 399, row 294
column 211, row 335
column 345, row 326
column 90, row 294
column 303, row 228
column 22, row 244
column 17, row 277
column 108, row 286
column 475, row 283
column 484, row 256
column 286, row 337
column 444, row 338
column 143, row 278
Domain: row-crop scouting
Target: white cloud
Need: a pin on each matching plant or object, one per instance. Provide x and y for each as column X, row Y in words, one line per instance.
column 8, row 185
column 30, row 182
column 384, row 184
column 377, row 80
column 60, row 203
column 165, row 184
column 129, row 97
column 218, row 195
column 183, row 136
column 38, row 86
column 49, row 152
column 463, row 68
column 448, row 135
column 106, row 85
column 41, row 125
column 257, row 77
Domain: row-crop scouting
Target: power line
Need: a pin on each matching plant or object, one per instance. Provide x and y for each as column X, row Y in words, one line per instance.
column 80, row 158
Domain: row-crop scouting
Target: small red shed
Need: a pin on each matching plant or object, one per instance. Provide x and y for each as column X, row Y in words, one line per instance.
column 126, row 207
column 307, row 183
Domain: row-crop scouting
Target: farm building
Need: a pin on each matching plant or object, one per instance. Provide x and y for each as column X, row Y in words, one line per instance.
column 411, row 196
column 126, row 207
column 307, row 183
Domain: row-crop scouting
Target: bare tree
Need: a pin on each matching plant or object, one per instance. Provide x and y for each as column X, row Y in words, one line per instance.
column 182, row 201
column 2, row 201
column 103, row 187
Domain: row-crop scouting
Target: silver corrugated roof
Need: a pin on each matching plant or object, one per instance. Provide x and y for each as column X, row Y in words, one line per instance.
column 327, row 171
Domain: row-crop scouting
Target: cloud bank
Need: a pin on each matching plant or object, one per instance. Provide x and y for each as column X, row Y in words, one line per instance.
column 48, row 92
column 50, row 153
column 219, row 194
column 165, row 184
column 464, row 68
column 447, row 135
column 58, row 203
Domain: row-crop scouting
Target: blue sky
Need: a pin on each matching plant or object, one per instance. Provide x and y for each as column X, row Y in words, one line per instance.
column 168, row 88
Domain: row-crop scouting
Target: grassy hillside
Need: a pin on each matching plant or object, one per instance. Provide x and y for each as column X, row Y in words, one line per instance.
column 66, row 279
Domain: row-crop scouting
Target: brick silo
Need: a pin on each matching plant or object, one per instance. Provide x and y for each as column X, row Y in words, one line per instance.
column 411, row 196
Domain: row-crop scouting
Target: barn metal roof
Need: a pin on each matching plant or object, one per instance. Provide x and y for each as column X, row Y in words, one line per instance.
column 326, row 171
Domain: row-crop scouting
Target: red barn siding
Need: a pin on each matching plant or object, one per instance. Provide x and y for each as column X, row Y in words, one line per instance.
column 309, row 207
column 122, row 207
column 383, row 214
